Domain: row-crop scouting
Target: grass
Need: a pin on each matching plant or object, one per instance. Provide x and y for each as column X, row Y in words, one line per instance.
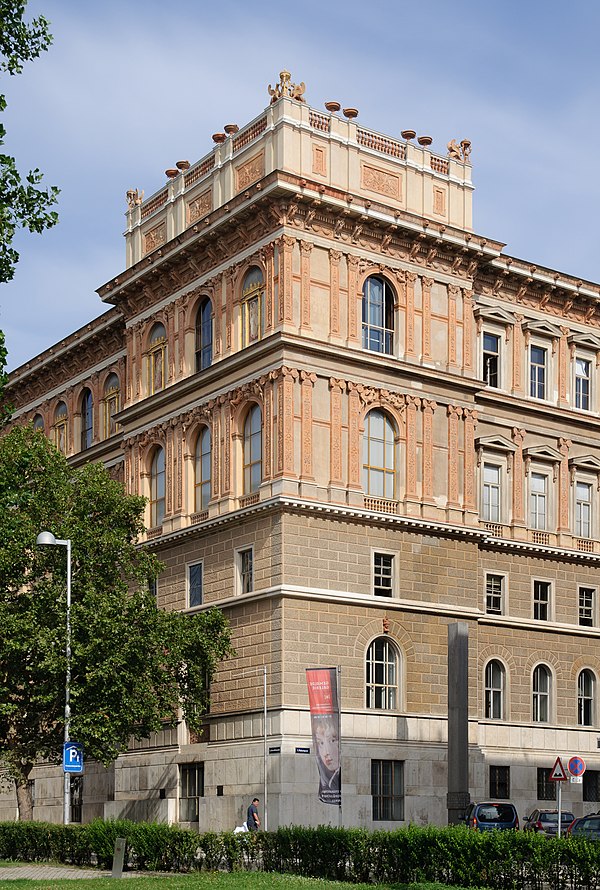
column 211, row 881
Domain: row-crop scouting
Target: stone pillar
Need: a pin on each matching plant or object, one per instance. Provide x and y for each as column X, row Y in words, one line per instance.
column 468, row 332
column 453, row 509
column 268, row 259
column 453, row 294
column 458, row 797
column 563, row 369
column 429, row 509
column 226, row 446
column 470, row 512
column 354, row 338
column 336, row 490
column 286, row 307
column 518, row 353
column 334, row 292
column 409, row 339
column 306, row 445
column 426, row 285
column 518, row 499
column 170, row 319
column 305, row 251
column 218, row 316
column 354, row 443
column 412, row 503
column 285, row 414
column 268, row 426
column 229, row 287
column 563, row 528
column 215, row 453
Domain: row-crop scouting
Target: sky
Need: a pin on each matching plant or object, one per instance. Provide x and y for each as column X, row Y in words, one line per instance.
column 131, row 86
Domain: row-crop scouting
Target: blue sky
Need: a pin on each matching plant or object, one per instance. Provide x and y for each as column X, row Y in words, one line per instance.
column 130, row 87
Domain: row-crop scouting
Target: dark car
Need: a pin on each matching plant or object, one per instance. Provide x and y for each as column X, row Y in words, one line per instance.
column 587, row 827
column 546, row 822
column 491, row 816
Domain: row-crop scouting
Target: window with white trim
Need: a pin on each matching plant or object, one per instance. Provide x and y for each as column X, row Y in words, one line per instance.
column 383, row 574
column 583, row 509
column 586, row 685
column 387, row 790
column 542, row 591
column 378, row 315
column 538, row 372
column 541, row 689
column 583, row 382
column 538, row 501
column 494, row 594
column 492, row 492
column 382, row 666
column 491, row 359
column 245, row 567
column 495, row 681
column 587, row 606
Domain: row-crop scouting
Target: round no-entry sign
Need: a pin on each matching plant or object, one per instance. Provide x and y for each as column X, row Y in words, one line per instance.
column 577, row 766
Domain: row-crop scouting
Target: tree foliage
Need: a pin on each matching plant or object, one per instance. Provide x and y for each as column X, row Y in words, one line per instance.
column 133, row 665
column 22, row 203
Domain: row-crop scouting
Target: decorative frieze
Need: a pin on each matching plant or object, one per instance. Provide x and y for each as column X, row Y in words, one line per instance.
column 249, row 172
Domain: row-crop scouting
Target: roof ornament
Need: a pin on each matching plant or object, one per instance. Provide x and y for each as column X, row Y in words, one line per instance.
column 285, row 88
column 134, row 198
column 459, row 152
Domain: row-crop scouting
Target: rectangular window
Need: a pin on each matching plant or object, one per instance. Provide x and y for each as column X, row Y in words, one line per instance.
column 583, row 510
column 586, row 606
column 538, row 497
column 537, row 372
column 387, row 790
column 582, row 383
column 491, row 359
column 76, row 798
column 541, row 600
column 491, row 493
column 195, row 582
column 383, row 567
column 191, row 789
column 246, row 568
column 494, row 594
column 546, row 788
column 500, row 782
column 591, row 785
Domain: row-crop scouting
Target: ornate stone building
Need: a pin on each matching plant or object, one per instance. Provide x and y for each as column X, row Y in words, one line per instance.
column 356, row 421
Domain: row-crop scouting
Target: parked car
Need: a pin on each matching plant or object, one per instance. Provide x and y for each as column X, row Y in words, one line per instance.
column 491, row 816
column 546, row 821
column 586, row 826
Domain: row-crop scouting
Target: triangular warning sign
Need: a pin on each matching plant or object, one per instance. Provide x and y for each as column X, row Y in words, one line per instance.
column 558, row 773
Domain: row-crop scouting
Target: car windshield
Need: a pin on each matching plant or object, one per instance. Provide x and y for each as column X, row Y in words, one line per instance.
column 496, row 813
column 552, row 818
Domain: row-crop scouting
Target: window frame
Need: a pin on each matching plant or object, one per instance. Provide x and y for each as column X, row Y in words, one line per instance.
column 372, row 471
column 499, row 782
column 586, row 698
column 199, row 563
column 485, row 375
column 252, row 293
column 535, row 497
column 386, row 554
column 157, row 349
column 195, row 772
column 250, row 436
column 487, row 507
column 591, row 786
column 158, row 493
column 386, row 690
column 110, row 406
column 579, row 523
column 202, row 483
column 578, row 395
column 204, row 334
column 494, row 694
column 387, row 775
column 587, row 611
column 245, row 574
column 545, row 787
column 60, row 428
column 541, row 697
column 542, row 606
column 543, row 376
column 385, row 329
column 86, row 419
column 502, row 594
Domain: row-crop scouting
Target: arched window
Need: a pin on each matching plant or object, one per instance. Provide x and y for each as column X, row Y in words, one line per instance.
column 379, row 459
column 252, row 450
column 157, row 488
column 202, row 471
column 585, row 698
column 541, row 694
column 382, row 675
column 252, row 306
column 494, row 690
column 204, row 335
column 87, row 420
column 378, row 315
column 157, row 359
column 38, row 423
column 61, row 427
column 111, row 404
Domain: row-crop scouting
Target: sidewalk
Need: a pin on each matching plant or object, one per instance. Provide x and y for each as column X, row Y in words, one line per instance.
column 55, row 873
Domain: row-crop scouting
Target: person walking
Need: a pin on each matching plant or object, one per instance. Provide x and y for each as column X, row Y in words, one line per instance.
column 253, row 819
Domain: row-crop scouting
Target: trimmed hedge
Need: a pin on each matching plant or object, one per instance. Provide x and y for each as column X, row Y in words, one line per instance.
column 504, row 860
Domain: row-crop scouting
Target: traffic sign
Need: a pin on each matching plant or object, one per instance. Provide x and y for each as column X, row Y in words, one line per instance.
column 72, row 757
column 558, row 773
column 577, row 766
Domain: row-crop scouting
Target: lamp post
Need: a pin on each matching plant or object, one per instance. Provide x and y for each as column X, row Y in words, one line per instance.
column 48, row 539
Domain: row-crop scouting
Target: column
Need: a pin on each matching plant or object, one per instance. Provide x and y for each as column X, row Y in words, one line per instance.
column 308, row 381
column 468, row 332
column 454, row 412
column 563, row 368
column 429, row 407
column 334, row 292
column 353, row 333
column 412, row 503
column 336, row 492
column 453, row 293
column 426, row 285
column 518, row 500
column 230, row 276
column 170, row 318
column 268, row 425
column 286, row 309
column 470, row 495
column 354, row 409
column 268, row 259
column 409, row 340
column 564, row 529
column 518, row 354
column 305, row 251
column 218, row 313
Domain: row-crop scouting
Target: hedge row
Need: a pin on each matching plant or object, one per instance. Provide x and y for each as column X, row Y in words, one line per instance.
column 504, row 860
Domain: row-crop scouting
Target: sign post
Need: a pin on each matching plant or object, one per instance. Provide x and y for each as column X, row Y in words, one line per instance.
column 559, row 775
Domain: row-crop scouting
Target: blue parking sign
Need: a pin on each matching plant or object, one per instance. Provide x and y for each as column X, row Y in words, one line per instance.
column 72, row 757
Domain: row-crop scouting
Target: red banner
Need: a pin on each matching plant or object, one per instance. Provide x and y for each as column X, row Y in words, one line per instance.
column 325, row 723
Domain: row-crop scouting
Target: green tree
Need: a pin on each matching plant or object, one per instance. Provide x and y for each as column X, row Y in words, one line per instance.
column 133, row 665
column 22, row 203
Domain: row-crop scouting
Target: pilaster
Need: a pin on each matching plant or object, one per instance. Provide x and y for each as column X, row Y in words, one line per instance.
column 426, row 285
column 453, row 294
column 563, row 527
column 305, row 251
column 453, row 510
column 471, row 514
column 336, row 490
column 409, row 339
column 334, row 292
column 429, row 509
column 518, row 504
column 353, row 336
column 412, row 503
column 308, row 487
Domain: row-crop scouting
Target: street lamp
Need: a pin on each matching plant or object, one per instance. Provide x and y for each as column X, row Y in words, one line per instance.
column 48, row 539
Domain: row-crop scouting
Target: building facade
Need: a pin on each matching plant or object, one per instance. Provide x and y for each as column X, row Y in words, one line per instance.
column 356, row 422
